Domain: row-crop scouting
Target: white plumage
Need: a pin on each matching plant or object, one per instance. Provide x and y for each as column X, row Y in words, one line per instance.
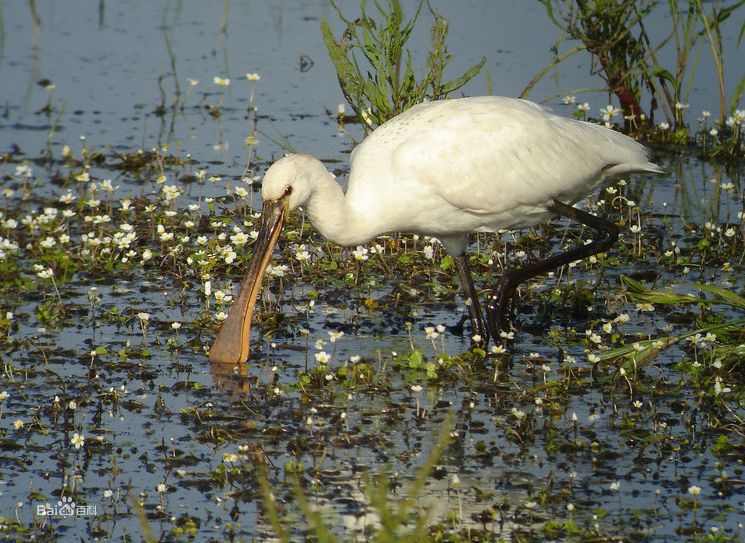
column 453, row 167
column 447, row 169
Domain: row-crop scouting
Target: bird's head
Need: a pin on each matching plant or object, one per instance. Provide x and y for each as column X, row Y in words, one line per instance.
column 291, row 180
column 288, row 184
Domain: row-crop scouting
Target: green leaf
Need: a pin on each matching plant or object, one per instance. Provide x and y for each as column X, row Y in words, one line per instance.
column 737, row 92
column 639, row 292
column 416, row 359
column 726, row 296
column 665, row 74
column 454, row 84
column 447, row 263
column 348, row 75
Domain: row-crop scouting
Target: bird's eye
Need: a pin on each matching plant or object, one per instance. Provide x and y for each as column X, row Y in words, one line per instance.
column 287, row 192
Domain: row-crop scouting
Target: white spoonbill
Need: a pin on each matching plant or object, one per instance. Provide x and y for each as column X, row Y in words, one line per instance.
column 446, row 169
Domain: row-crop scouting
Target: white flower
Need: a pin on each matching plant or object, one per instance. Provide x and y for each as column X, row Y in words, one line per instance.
column 608, row 112
column 720, row 388
column 360, row 253
column 240, row 238
column 229, row 255
column 67, row 198
column 170, row 192
column 48, row 242
column 46, row 273
column 333, row 336
column 78, row 440
column 277, row 271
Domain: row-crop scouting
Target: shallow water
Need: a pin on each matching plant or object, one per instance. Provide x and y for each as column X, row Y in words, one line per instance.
column 164, row 416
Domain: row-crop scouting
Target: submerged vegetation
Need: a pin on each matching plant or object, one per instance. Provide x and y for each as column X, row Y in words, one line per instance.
column 617, row 413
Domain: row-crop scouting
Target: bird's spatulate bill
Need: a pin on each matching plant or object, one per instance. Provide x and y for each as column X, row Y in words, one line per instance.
column 231, row 345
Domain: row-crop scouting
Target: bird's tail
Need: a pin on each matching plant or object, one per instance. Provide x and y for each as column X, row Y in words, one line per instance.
column 616, row 170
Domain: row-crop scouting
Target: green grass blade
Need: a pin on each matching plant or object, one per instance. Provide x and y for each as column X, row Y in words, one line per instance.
column 726, row 296
column 454, row 84
column 734, row 100
column 639, row 292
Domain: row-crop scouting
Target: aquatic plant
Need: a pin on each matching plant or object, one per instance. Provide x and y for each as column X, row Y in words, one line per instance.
column 375, row 70
column 605, row 29
column 391, row 518
column 623, row 53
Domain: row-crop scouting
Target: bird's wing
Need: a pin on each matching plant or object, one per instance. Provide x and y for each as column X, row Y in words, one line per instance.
column 488, row 160
column 480, row 164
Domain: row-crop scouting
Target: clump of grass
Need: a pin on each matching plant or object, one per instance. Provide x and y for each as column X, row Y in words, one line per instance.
column 397, row 519
column 728, row 332
column 385, row 83
column 625, row 57
column 606, row 29
column 715, row 348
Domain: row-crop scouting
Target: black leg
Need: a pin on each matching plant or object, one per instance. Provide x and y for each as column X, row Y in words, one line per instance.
column 478, row 326
column 500, row 300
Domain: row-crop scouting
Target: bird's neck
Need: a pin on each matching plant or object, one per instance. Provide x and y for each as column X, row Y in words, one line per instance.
column 333, row 217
